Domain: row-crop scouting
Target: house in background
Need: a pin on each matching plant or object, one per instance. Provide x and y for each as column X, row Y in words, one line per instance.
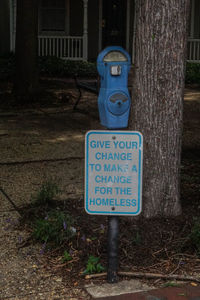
column 193, row 54
column 80, row 29
column 4, row 27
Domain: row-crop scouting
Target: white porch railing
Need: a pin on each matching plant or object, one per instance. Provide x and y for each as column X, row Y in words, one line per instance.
column 193, row 50
column 66, row 47
column 71, row 47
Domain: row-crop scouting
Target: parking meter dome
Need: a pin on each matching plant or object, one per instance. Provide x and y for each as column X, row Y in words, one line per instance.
column 112, row 54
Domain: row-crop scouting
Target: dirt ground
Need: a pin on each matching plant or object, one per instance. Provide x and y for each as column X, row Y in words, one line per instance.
column 46, row 142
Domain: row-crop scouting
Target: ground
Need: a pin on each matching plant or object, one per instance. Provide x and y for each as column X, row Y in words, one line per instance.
column 45, row 142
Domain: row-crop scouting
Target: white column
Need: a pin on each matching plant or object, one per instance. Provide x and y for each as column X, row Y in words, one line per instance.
column 12, row 11
column 11, row 24
column 127, row 25
column 85, row 29
column 192, row 19
column 14, row 22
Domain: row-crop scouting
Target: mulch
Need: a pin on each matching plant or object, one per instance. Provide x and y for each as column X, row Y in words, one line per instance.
column 159, row 245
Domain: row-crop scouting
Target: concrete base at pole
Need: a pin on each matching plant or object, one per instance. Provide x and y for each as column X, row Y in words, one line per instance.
column 120, row 288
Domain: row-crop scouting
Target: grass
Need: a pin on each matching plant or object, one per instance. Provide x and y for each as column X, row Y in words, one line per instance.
column 48, row 191
column 55, row 229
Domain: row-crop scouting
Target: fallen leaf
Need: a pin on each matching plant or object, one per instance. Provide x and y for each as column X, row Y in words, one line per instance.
column 58, row 279
column 194, row 284
column 34, row 266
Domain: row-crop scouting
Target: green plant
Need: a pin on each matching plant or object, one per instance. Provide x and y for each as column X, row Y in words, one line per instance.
column 51, row 65
column 55, row 228
column 171, row 284
column 46, row 194
column 93, row 265
column 137, row 239
column 54, row 66
column 195, row 234
column 66, row 256
column 7, row 66
column 192, row 73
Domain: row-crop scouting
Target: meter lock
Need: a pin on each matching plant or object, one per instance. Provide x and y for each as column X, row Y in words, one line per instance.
column 118, row 103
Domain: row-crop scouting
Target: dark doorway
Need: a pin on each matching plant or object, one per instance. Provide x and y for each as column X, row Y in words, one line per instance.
column 114, row 23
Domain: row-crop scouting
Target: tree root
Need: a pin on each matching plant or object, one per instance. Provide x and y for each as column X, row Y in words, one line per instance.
column 148, row 275
column 25, row 162
column 11, row 202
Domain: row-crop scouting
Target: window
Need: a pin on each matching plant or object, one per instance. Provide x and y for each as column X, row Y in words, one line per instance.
column 52, row 15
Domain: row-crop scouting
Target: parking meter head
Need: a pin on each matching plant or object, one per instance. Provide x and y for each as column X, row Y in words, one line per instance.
column 113, row 65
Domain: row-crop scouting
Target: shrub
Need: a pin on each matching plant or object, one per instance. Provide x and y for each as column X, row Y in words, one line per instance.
column 192, row 73
column 66, row 256
column 46, row 194
column 54, row 66
column 195, row 234
column 93, row 265
column 7, row 66
column 50, row 65
column 137, row 238
column 55, row 228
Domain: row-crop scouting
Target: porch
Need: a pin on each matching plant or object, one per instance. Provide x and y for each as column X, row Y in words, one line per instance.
column 66, row 47
column 72, row 47
column 78, row 29
column 193, row 54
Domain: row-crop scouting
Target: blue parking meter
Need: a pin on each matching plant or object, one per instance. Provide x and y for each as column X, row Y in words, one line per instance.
column 113, row 65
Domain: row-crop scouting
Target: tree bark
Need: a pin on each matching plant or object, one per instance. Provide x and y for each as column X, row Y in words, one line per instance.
column 157, row 105
column 26, row 80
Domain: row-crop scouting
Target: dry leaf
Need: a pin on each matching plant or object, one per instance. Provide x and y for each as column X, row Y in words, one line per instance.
column 194, row 284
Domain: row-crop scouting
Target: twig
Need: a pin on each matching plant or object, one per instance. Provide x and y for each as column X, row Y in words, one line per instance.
column 158, row 264
column 25, row 162
column 11, row 202
column 177, row 267
column 89, row 276
column 152, row 275
column 158, row 251
column 25, row 243
column 188, row 258
column 65, row 264
column 148, row 275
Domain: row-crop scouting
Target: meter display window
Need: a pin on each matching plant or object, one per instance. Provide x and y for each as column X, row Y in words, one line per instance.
column 115, row 70
column 114, row 56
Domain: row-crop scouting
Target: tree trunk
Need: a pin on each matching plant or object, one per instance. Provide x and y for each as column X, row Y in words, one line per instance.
column 157, row 109
column 26, row 81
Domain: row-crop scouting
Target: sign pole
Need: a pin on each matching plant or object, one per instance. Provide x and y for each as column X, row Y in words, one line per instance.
column 113, row 182
column 113, row 237
column 112, row 257
column 113, row 165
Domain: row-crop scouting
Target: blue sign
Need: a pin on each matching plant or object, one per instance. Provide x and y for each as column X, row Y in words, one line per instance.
column 113, row 65
column 113, row 172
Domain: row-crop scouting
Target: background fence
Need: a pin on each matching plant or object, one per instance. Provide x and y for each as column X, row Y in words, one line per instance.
column 66, row 47
column 193, row 50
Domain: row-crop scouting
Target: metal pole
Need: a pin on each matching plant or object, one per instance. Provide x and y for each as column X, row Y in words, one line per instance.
column 113, row 234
